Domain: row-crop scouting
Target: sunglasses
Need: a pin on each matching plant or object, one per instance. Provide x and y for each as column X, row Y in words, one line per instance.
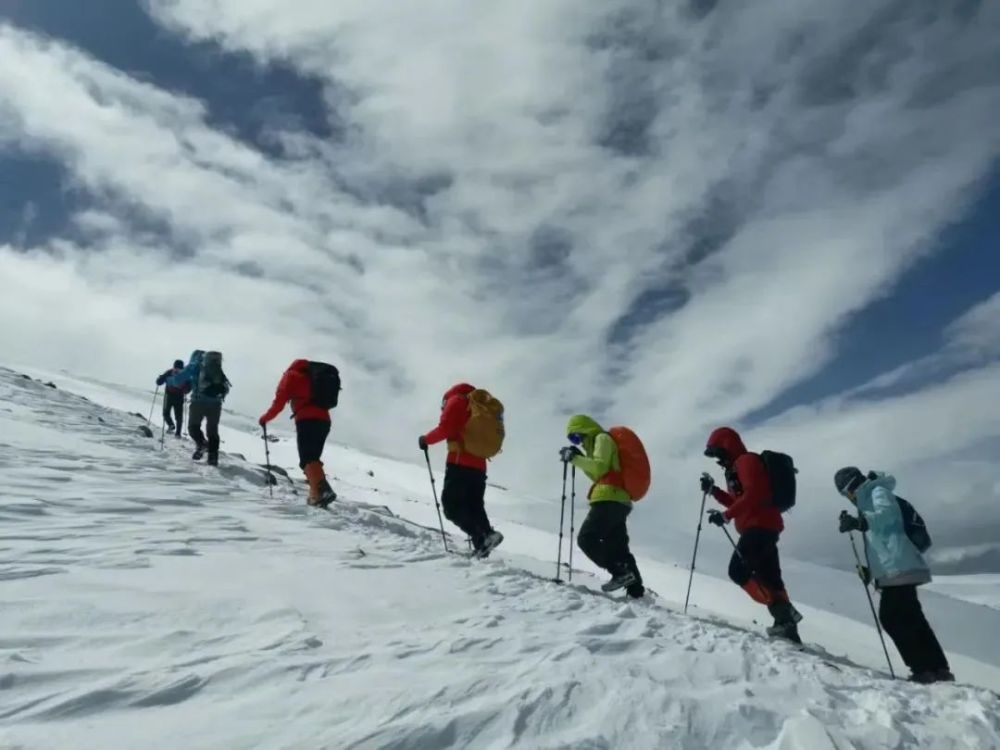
column 576, row 438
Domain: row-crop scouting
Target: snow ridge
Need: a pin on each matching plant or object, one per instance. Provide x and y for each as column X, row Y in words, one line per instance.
column 149, row 602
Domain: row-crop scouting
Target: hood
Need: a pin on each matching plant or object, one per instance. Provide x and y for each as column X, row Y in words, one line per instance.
column 460, row 389
column 178, row 364
column 196, row 356
column 729, row 440
column 583, row 425
column 877, row 479
column 299, row 365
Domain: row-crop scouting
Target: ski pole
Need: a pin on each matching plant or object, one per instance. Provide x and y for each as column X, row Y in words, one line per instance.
column 267, row 459
column 163, row 433
column 430, row 472
column 562, row 516
column 871, row 605
column 694, row 557
column 152, row 405
column 572, row 513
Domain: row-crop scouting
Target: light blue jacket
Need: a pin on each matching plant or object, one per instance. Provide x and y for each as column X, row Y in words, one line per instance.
column 892, row 558
column 189, row 377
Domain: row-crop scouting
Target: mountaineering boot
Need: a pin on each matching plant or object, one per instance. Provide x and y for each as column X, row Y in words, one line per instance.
column 944, row 675
column 213, row 458
column 316, row 478
column 623, row 580
column 786, row 619
column 326, row 494
column 198, row 453
column 490, row 542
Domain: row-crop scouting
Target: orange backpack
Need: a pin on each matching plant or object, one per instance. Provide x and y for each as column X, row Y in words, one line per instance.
column 636, row 474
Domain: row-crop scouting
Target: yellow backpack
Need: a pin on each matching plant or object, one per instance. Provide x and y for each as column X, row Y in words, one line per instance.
column 484, row 433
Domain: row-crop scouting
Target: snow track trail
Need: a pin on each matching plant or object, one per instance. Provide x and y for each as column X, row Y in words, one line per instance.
column 148, row 602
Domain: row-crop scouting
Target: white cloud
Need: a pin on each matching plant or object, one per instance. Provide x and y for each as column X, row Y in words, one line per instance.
column 580, row 152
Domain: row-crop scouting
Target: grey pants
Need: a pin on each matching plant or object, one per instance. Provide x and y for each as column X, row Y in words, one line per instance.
column 211, row 413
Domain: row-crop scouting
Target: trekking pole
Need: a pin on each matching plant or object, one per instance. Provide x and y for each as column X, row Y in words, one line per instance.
column 163, row 433
column 267, row 459
column 562, row 516
column 430, row 472
column 152, row 406
column 871, row 605
column 694, row 557
column 572, row 513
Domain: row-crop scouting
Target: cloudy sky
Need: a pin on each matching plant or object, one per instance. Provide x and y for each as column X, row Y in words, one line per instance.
column 675, row 215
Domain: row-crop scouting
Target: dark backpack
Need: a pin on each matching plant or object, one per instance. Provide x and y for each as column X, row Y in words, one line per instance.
column 324, row 385
column 212, row 380
column 914, row 526
column 781, row 471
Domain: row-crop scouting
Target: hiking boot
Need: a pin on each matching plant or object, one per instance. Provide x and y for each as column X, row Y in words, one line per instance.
column 198, row 453
column 636, row 591
column 327, row 495
column 213, row 459
column 316, row 479
column 924, row 678
column 945, row 675
column 620, row 581
column 177, row 434
column 787, row 631
column 490, row 542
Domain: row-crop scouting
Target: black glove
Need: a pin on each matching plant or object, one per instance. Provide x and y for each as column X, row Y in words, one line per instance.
column 852, row 523
column 716, row 517
column 422, row 442
column 568, row 453
column 864, row 574
column 707, row 483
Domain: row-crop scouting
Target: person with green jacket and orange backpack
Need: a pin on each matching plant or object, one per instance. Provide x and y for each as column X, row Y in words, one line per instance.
column 603, row 535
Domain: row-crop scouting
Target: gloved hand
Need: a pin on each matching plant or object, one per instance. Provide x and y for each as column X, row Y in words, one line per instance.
column 568, row 453
column 852, row 523
column 717, row 517
column 864, row 574
column 422, row 442
column 262, row 421
column 707, row 483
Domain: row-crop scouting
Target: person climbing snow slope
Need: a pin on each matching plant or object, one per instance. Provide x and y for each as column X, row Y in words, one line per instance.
column 209, row 386
column 173, row 399
column 755, row 564
column 310, row 387
column 603, row 536
column 472, row 423
column 896, row 566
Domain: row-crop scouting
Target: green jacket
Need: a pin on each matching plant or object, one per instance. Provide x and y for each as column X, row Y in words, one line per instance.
column 599, row 459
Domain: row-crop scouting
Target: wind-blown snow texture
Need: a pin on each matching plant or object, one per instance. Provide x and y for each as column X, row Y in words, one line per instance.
column 149, row 602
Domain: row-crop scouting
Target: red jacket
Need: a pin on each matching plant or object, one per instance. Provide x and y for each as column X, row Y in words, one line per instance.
column 295, row 387
column 748, row 501
column 454, row 416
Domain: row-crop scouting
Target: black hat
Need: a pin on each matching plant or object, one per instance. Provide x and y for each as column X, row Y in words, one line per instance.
column 179, row 364
column 848, row 479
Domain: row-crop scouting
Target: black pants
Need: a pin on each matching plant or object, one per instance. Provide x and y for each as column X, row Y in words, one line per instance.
column 756, row 557
column 464, row 501
column 209, row 413
column 903, row 619
column 173, row 403
column 310, row 436
column 603, row 538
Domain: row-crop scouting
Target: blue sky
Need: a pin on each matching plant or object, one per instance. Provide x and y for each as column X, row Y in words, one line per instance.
column 706, row 214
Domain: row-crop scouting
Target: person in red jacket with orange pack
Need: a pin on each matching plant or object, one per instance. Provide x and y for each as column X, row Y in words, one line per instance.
column 755, row 565
column 310, row 387
column 472, row 423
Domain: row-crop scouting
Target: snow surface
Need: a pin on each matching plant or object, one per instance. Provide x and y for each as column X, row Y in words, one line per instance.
column 155, row 603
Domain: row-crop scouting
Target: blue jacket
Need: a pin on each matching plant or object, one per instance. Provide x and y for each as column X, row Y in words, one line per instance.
column 892, row 558
column 189, row 377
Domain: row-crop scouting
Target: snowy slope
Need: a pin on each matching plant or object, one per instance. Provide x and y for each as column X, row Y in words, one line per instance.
column 149, row 602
